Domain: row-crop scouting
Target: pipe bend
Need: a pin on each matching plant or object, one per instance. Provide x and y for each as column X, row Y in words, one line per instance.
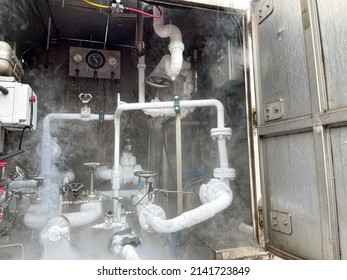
column 89, row 213
column 190, row 218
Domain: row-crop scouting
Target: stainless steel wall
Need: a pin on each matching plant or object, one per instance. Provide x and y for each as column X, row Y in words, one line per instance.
column 299, row 56
column 332, row 19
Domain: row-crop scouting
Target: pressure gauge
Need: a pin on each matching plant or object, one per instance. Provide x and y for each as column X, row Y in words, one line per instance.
column 95, row 59
column 77, row 58
column 112, row 61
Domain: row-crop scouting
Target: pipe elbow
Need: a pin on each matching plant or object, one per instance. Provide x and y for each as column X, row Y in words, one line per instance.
column 89, row 213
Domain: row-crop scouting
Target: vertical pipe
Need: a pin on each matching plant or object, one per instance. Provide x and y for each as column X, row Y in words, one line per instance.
column 49, row 32
column 179, row 164
column 141, row 66
column 106, row 31
column 92, row 181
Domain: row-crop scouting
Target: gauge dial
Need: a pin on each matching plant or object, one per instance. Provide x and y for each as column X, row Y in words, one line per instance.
column 77, row 58
column 112, row 61
column 95, row 59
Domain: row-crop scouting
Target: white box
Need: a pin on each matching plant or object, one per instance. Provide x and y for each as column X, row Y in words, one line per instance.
column 18, row 108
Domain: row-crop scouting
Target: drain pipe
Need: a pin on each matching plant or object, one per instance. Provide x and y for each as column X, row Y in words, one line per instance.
column 176, row 45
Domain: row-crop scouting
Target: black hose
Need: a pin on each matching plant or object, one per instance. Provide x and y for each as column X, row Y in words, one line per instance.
column 4, row 90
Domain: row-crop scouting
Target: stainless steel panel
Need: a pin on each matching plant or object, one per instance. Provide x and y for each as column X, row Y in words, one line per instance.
column 332, row 18
column 282, row 60
column 291, row 187
column 339, row 150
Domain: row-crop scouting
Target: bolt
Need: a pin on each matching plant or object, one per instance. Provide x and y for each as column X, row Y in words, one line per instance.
column 267, row 5
column 285, row 223
column 146, row 227
column 274, row 217
column 275, row 224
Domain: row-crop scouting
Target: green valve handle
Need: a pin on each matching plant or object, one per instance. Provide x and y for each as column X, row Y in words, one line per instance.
column 177, row 104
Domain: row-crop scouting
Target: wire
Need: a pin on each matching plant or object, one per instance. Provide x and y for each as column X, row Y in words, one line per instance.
column 146, row 14
column 96, row 5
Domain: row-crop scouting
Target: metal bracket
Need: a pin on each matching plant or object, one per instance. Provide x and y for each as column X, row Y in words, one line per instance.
column 274, row 110
column 264, row 9
column 281, row 222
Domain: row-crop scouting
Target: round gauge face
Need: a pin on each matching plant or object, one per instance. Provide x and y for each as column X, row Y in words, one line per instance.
column 77, row 58
column 95, row 59
column 112, row 61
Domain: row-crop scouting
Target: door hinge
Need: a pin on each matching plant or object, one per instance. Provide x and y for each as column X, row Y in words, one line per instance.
column 254, row 117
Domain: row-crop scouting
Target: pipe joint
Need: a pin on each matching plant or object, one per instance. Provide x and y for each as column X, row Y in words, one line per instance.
column 148, row 211
column 214, row 189
column 224, row 173
column 221, row 133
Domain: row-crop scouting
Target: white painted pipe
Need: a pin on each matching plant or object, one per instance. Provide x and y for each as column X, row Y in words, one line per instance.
column 176, row 45
column 46, row 160
column 21, row 184
column 216, row 197
column 89, row 213
column 129, row 253
column 69, row 176
column 141, row 66
column 36, row 216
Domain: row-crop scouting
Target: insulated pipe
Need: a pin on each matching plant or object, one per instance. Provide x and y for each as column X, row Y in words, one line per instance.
column 36, row 216
column 46, row 160
column 129, row 253
column 69, row 176
column 21, row 184
column 215, row 196
column 89, row 212
column 176, row 45
column 190, row 218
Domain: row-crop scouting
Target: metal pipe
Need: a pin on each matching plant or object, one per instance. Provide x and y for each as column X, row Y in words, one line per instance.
column 179, row 164
column 49, row 32
column 139, row 44
column 106, row 32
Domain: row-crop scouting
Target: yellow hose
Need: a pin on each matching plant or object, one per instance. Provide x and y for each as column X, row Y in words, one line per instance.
column 96, row 5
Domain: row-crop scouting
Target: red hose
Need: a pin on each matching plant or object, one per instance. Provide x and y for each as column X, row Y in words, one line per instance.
column 146, row 14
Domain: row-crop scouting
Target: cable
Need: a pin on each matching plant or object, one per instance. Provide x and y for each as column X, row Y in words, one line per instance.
column 144, row 13
column 96, row 5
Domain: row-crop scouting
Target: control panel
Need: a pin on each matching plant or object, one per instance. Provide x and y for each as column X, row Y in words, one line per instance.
column 94, row 63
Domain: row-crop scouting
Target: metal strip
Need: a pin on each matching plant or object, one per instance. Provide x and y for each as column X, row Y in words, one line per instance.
column 326, row 192
column 306, row 123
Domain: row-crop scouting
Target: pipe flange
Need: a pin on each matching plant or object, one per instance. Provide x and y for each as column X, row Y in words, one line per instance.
column 220, row 133
column 224, row 173
column 145, row 210
column 210, row 191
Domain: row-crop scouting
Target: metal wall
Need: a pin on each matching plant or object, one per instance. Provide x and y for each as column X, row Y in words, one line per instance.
column 299, row 53
column 332, row 18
